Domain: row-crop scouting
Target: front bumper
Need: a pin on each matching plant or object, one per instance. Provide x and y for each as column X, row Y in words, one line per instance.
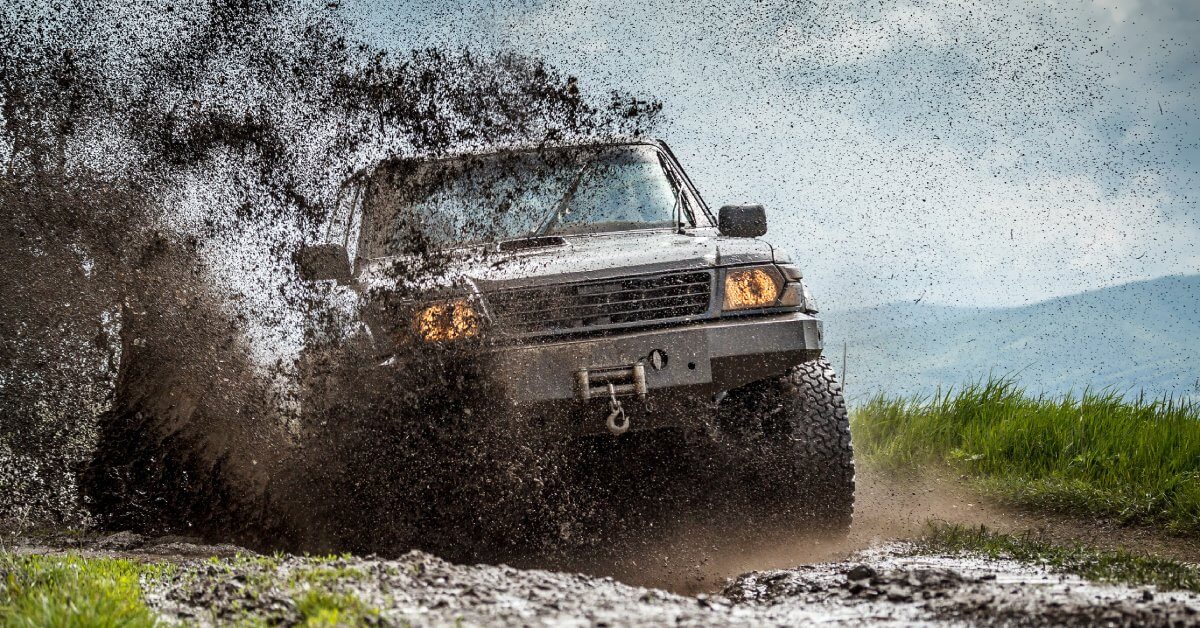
column 704, row 358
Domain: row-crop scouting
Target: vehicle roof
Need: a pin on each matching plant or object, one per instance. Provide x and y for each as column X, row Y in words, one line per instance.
column 525, row 146
column 511, row 147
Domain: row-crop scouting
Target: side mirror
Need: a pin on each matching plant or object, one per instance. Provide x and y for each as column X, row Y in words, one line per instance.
column 318, row 262
column 742, row 221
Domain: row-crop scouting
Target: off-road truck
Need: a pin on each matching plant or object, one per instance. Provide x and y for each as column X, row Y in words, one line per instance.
column 605, row 295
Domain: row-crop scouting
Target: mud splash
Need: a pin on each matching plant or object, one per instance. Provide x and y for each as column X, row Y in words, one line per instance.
column 697, row 553
column 157, row 346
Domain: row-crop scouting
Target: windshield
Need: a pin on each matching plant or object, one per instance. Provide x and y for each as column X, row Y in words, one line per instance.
column 413, row 206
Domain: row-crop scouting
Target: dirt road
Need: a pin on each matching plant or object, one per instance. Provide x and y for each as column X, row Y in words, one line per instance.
column 887, row 583
column 868, row 577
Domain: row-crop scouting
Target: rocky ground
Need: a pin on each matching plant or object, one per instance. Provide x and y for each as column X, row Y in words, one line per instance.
column 868, row 576
column 887, row 583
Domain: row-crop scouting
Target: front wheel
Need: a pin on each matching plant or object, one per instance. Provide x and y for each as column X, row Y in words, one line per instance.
column 787, row 443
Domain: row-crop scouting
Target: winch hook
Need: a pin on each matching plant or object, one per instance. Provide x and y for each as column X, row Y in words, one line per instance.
column 618, row 423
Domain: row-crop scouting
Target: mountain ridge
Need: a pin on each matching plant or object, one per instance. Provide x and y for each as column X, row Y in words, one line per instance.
column 1133, row 337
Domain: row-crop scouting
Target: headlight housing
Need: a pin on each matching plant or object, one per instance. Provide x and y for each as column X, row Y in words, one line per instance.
column 758, row 287
column 752, row 287
column 447, row 320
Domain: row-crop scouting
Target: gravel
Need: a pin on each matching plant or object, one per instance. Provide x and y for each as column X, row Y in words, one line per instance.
column 885, row 584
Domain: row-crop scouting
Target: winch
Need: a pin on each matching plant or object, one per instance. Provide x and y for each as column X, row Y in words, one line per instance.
column 615, row 380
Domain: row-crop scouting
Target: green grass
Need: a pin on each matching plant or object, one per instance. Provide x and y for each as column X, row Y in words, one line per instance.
column 1091, row 564
column 73, row 591
column 1133, row 461
column 319, row 607
column 315, row 585
column 321, row 575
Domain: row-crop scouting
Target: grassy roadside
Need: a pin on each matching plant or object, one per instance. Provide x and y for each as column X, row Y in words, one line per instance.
column 1088, row 563
column 314, row 586
column 70, row 590
column 1098, row 454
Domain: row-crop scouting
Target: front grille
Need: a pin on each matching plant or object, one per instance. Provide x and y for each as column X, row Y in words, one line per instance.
column 566, row 308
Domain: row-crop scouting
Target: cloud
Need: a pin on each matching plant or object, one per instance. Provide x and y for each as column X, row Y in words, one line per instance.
column 874, row 220
column 993, row 153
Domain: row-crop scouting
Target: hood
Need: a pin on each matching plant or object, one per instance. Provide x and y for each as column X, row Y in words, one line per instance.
column 592, row 256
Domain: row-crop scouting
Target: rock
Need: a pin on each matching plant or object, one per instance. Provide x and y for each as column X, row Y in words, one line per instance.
column 861, row 572
column 897, row 593
column 124, row 540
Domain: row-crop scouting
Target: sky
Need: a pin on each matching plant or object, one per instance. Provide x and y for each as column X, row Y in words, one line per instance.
column 973, row 154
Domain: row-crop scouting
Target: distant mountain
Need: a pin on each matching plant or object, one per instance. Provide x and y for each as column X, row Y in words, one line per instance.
column 1133, row 337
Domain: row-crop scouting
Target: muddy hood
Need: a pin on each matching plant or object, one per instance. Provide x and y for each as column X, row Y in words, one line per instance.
column 599, row 256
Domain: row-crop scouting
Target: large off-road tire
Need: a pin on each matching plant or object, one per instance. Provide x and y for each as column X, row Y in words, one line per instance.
column 786, row 442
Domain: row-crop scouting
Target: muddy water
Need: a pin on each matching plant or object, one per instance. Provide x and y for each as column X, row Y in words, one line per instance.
column 699, row 556
column 696, row 556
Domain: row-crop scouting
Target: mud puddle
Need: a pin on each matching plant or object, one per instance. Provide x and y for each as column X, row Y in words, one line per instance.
column 698, row 557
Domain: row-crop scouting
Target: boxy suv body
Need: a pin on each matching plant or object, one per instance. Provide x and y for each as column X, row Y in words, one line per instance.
column 603, row 291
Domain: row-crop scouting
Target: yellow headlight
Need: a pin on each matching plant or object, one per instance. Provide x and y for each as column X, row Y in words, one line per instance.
column 751, row 287
column 447, row 321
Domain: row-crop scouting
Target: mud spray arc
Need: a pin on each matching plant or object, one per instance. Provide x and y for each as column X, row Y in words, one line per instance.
column 161, row 369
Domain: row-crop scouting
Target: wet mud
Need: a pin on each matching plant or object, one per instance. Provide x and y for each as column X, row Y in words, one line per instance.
column 888, row 583
column 692, row 574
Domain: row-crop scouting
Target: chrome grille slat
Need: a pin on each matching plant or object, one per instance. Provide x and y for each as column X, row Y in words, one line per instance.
column 573, row 307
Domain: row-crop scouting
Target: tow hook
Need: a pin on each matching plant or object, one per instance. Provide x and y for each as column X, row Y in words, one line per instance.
column 618, row 423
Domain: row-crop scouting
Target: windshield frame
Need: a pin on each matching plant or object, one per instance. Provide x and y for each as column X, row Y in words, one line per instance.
column 671, row 169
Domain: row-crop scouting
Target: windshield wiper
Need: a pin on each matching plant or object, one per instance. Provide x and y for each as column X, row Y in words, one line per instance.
column 560, row 207
column 678, row 205
column 675, row 210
